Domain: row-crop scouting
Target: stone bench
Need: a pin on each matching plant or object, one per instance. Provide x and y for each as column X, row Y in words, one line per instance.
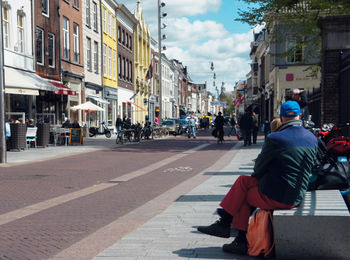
column 319, row 228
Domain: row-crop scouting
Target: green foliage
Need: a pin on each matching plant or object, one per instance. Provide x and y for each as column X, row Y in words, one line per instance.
column 300, row 16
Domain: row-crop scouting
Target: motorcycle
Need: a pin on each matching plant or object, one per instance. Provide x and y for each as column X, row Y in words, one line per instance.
column 95, row 131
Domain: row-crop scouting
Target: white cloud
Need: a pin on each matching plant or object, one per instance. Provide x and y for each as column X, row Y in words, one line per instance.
column 198, row 43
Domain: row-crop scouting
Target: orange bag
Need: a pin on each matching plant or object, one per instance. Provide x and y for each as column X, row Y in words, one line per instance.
column 260, row 236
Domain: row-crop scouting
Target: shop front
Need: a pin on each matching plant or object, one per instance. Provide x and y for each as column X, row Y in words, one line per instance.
column 22, row 92
column 111, row 96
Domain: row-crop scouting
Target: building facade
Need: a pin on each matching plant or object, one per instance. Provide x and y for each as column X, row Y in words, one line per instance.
column 92, row 44
column 22, row 85
column 126, row 23
column 72, row 55
column 142, row 61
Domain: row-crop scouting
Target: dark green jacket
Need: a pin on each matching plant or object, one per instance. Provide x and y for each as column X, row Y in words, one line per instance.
column 285, row 162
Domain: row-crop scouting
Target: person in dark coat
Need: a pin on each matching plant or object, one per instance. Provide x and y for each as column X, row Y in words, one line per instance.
column 255, row 127
column 126, row 121
column 219, row 124
column 118, row 123
column 246, row 126
column 67, row 124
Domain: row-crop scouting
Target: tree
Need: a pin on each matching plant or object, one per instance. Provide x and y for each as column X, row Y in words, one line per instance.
column 300, row 15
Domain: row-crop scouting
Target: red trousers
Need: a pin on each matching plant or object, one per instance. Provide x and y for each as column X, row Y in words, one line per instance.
column 243, row 195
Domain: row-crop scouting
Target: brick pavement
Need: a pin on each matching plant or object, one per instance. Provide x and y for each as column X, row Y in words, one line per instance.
column 49, row 230
column 172, row 234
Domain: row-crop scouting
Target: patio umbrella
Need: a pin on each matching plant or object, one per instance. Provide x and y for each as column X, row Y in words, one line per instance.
column 89, row 107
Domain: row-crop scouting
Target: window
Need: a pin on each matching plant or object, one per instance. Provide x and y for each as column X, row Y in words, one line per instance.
column 51, row 40
column 110, row 62
column 76, row 42
column 94, row 14
column 6, row 29
column 130, row 43
column 45, row 7
column 65, row 38
column 295, row 49
column 130, row 74
column 39, row 46
column 20, row 33
column 104, row 60
column 96, row 57
column 88, row 20
column 118, row 33
column 114, row 65
column 123, row 37
column 109, row 23
column 104, row 19
column 113, row 27
column 124, row 67
column 127, row 70
column 119, row 66
column 88, row 53
column 76, row 3
column 127, row 40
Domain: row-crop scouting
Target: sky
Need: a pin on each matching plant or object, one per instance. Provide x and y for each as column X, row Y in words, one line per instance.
column 200, row 32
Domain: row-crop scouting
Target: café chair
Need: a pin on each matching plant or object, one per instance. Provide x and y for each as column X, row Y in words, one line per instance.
column 31, row 136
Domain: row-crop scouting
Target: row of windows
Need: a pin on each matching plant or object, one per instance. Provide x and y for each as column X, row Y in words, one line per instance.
column 66, row 42
column 124, row 38
column 92, row 8
column 40, row 47
column 125, row 69
column 20, row 30
column 108, row 25
column 110, row 54
column 45, row 6
column 89, row 61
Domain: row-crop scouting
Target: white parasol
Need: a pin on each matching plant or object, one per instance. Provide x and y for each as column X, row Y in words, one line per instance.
column 88, row 106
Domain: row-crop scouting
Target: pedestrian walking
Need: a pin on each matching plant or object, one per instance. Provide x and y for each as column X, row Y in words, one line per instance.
column 246, row 126
column 191, row 127
column 233, row 123
column 255, row 127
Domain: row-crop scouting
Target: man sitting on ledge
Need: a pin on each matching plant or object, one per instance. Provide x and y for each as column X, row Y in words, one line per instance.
column 279, row 181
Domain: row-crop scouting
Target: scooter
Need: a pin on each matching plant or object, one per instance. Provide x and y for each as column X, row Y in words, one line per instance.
column 94, row 131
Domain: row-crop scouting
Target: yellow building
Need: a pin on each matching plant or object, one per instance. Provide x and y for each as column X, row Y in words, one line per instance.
column 142, row 61
column 109, row 53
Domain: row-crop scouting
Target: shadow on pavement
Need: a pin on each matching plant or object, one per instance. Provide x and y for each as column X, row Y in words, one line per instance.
column 196, row 198
column 208, row 253
column 223, row 173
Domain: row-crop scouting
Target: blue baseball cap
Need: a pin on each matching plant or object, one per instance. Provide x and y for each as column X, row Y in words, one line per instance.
column 290, row 109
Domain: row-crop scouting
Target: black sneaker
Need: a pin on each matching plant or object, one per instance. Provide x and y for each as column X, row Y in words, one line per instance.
column 218, row 229
column 224, row 215
column 238, row 246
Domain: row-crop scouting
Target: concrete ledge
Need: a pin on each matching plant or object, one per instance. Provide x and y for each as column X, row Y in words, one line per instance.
column 319, row 228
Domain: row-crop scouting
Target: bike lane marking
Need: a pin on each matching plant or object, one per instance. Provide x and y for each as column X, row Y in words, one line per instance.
column 103, row 238
column 37, row 207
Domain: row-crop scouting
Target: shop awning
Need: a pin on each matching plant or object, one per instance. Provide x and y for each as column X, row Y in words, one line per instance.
column 22, row 91
column 63, row 89
column 98, row 99
column 15, row 78
column 132, row 103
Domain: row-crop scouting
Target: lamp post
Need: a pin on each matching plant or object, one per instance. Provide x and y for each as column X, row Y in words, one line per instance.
column 2, row 99
column 160, row 16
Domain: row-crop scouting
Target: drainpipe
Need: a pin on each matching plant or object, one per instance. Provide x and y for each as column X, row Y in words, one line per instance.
column 59, row 51
column 101, row 30
column 3, row 154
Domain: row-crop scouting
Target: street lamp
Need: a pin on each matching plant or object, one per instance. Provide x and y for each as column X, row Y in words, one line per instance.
column 2, row 98
column 160, row 37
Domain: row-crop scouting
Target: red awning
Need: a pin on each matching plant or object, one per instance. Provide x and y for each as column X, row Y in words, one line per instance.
column 63, row 89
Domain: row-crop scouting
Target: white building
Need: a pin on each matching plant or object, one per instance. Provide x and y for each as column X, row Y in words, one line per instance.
column 22, row 85
column 167, row 88
column 92, row 57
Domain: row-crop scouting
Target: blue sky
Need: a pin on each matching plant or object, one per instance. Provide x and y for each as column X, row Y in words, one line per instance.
column 200, row 32
column 226, row 15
